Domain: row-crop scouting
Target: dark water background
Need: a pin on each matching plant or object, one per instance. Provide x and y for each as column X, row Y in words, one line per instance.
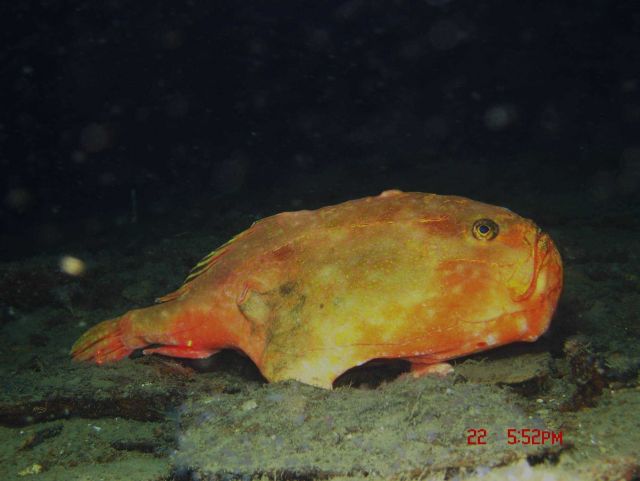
column 179, row 112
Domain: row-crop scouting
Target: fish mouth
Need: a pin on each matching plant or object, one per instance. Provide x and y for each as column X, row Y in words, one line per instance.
column 535, row 300
column 546, row 259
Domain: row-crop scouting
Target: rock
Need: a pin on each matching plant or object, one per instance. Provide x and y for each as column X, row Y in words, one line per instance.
column 510, row 370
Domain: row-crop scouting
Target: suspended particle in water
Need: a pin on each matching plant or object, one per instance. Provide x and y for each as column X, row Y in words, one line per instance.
column 72, row 266
column 18, row 199
column 499, row 117
column 445, row 34
column 95, row 138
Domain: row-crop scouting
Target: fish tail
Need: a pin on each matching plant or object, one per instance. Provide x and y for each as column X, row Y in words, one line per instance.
column 102, row 343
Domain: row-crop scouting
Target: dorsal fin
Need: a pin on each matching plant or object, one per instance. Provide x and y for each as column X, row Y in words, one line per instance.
column 203, row 266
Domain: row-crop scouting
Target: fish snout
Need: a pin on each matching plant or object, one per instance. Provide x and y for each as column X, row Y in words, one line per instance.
column 544, row 292
column 550, row 264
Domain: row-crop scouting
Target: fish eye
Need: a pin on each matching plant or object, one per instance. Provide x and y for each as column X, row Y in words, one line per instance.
column 485, row 229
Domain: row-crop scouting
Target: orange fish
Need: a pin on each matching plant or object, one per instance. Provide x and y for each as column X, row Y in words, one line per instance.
column 309, row 294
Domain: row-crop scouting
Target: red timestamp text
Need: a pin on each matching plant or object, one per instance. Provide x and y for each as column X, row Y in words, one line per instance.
column 476, row 436
column 533, row 436
column 524, row 436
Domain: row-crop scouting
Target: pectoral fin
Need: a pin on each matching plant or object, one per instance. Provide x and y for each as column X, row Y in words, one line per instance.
column 181, row 351
column 441, row 369
column 256, row 307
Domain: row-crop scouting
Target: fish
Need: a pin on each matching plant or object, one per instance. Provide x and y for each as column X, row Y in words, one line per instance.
column 308, row 295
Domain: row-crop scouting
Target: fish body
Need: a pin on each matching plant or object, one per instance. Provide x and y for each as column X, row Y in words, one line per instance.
column 309, row 294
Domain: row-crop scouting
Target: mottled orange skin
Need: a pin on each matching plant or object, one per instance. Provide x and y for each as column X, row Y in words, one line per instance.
column 309, row 294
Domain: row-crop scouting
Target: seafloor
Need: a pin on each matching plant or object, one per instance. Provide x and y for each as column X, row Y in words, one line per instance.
column 162, row 419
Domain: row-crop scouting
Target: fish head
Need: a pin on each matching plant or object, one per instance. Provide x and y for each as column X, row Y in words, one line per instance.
column 500, row 276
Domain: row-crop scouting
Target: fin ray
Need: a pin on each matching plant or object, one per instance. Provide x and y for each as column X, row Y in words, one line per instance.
column 206, row 263
column 102, row 343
